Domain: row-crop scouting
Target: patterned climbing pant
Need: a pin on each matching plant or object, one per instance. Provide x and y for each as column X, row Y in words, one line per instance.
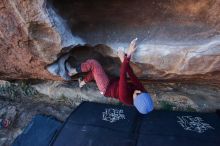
column 95, row 72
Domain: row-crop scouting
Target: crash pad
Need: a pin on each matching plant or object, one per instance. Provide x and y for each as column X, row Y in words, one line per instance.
column 39, row 132
column 95, row 124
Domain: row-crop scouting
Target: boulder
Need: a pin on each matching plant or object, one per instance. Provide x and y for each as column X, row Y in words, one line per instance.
column 177, row 40
column 28, row 40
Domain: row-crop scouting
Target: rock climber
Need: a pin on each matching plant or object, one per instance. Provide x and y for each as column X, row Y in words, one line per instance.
column 132, row 93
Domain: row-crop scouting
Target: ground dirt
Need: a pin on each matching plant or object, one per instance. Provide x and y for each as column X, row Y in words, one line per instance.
column 20, row 102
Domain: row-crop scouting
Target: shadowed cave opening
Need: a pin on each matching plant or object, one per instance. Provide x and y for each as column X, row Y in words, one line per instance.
column 113, row 21
column 168, row 33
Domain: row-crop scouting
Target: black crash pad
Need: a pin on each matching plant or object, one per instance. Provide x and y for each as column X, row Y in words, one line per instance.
column 93, row 124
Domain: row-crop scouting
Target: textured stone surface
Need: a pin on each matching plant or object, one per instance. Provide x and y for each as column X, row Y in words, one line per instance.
column 28, row 40
column 59, row 90
column 178, row 40
column 175, row 96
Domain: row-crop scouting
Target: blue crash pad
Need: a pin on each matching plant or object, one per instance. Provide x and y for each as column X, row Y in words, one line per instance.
column 39, row 132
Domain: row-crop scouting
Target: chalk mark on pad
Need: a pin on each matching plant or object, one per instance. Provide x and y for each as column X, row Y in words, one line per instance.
column 195, row 124
column 112, row 115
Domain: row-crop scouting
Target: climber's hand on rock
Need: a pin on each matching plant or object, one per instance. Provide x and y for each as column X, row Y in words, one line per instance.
column 132, row 47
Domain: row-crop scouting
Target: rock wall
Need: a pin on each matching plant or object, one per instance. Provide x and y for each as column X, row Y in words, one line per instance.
column 178, row 40
column 28, row 40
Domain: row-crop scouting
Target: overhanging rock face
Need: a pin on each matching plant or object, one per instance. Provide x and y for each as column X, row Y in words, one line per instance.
column 178, row 40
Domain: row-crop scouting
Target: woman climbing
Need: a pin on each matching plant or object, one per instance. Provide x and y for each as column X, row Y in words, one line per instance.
column 128, row 93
